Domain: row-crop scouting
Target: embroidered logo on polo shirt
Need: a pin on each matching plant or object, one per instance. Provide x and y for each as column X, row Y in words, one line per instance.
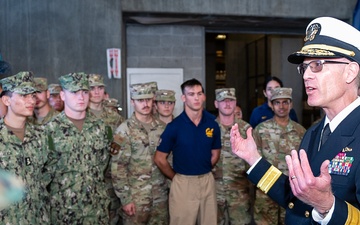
column 209, row 132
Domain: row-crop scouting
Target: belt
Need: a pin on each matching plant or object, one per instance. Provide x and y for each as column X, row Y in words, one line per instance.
column 194, row 176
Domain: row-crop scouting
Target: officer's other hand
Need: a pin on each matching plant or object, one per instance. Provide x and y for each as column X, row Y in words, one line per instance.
column 315, row 191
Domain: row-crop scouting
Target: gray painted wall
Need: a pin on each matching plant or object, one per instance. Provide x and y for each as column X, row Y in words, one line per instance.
column 53, row 38
column 167, row 46
column 272, row 8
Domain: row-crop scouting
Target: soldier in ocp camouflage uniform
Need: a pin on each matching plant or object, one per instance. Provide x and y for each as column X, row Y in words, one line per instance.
column 54, row 98
column 79, row 157
column 154, row 87
column 22, row 152
column 43, row 112
column 139, row 184
column 112, row 104
column 165, row 105
column 275, row 139
column 232, row 187
column 96, row 107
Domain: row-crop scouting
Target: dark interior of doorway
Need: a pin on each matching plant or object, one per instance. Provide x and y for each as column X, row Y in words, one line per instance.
column 243, row 61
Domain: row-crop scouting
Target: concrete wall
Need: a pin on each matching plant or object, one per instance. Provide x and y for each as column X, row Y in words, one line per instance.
column 53, row 38
column 167, row 47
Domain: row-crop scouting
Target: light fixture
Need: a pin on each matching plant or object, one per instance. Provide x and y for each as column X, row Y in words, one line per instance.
column 221, row 37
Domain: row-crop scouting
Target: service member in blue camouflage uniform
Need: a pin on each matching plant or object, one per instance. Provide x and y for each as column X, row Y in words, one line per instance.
column 275, row 138
column 139, row 184
column 43, row 111
column 98, row 110
column 79, row 157
column 323, row 185
column 232, row 186
column 22, row 151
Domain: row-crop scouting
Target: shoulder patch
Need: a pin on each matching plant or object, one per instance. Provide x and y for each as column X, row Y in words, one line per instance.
column 114, row 148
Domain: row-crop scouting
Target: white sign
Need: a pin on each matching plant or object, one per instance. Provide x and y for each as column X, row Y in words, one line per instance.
column 113, row 56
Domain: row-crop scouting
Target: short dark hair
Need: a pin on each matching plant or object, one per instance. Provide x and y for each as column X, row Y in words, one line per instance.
column 270, row 78
column 7, row 93
column 191, row 83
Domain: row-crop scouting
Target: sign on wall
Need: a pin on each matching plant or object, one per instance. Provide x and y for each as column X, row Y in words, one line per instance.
column 166, row 79
column 113, row 56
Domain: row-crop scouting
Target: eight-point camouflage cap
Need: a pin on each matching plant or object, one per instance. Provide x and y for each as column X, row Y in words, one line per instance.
column 54, row 88
column 224, row 93
column 141, row 91
column 153, row 86
column 96, row 80
column 21, row 83
column 74, row 82
column 282, row 92
column 165, row 95
column 41, row 83
column 111, row 102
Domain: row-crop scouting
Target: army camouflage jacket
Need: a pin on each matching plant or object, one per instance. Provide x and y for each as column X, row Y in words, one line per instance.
column 36, row 121
column 25, row 159
column 110, row 117
column 78, row 160
column 230, row 167
column 275, row 142
column 133, row 170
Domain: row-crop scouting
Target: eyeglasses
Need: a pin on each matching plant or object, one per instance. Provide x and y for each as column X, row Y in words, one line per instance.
column 315, row 66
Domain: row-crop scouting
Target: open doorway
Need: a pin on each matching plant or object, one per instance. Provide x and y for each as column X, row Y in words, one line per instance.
column 243, row 61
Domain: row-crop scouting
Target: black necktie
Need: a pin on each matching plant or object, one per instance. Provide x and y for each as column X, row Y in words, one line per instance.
column 325, row 134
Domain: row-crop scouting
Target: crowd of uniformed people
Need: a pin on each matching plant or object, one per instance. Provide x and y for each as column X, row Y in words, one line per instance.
column 81, row 162
column 68, row 156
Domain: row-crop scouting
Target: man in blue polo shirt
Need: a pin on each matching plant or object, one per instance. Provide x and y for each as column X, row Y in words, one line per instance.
column 195, row 140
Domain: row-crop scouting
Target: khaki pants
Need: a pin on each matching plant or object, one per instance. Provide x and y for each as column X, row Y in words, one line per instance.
column 192, row 200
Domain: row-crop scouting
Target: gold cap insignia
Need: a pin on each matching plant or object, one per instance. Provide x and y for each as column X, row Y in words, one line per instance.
column 312, row 31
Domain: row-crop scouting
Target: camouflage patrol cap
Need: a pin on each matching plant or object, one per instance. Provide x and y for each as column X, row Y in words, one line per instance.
column 141, row 91
column 111, row 102
column 153, row 86
column 224, row 93
column 282, row 92
column 41, row 83
column 54, row 88
column 96, row 80
column 74, row 82
column 21, row 83
column 165, row 95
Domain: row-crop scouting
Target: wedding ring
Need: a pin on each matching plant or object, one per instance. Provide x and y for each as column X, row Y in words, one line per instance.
column 293, row 177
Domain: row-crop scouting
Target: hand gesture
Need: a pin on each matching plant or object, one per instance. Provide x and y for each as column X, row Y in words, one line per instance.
column 314, row 191
column 244, row 148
